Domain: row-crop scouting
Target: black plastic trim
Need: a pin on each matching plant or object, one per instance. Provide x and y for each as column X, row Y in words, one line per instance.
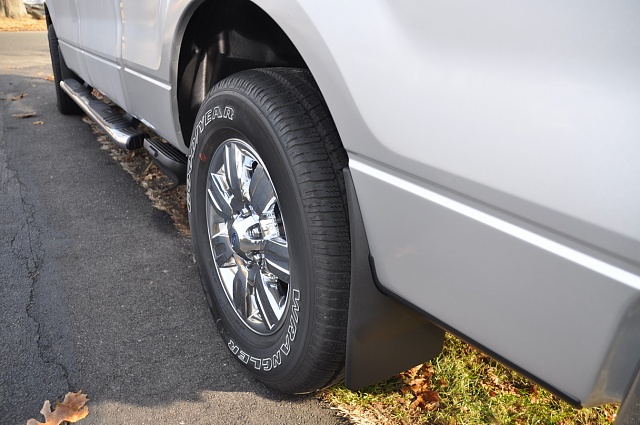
column 169, row 159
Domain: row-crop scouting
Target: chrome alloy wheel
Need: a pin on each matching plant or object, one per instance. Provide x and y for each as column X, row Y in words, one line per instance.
column 247, row 236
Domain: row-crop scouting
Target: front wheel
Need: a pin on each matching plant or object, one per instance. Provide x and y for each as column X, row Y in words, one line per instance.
column 268, row 217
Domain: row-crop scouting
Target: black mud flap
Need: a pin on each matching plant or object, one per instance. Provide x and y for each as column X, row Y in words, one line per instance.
column 384, row 337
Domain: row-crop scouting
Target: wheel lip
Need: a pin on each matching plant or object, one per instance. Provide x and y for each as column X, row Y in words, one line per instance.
column 219, row 154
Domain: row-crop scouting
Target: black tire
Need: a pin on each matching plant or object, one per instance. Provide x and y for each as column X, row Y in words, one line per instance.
column 65, row 104
column 274, row 120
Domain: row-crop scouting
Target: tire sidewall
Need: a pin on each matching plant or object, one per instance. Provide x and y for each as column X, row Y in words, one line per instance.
column 225, row 115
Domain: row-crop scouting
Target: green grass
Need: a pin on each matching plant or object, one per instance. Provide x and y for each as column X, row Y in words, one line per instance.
column 461, row 386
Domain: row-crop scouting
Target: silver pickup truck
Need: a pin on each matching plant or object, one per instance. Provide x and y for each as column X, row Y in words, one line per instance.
column 363, row 175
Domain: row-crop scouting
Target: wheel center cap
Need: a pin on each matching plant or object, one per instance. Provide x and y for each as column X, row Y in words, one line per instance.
column 240, row 235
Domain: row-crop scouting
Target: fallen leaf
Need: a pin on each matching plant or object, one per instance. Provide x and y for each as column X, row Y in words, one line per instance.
column 25, row 115
column 49, row 77
column 419, row 384
column 414, row 371
column 426, row 400
column 37, row 122
column 97, row 94
column 151, row 176
column 18, row 97
column 72, row 409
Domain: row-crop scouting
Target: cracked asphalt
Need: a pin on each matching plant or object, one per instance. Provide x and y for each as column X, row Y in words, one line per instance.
column 98, row 291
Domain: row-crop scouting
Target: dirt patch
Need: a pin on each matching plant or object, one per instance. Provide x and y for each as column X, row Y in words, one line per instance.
column 28, row 23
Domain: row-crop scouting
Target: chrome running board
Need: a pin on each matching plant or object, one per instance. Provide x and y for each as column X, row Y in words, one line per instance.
column 120, row 128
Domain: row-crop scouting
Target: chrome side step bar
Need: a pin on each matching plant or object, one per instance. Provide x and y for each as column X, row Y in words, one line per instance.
column 121, row 129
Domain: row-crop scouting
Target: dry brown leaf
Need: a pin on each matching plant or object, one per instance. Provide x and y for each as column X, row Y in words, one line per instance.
column 426, row 400
column 418, row 403
column 418, row 385
column 97, row 94
column 49, row 77
column 37, row 122
column 413, row 372
column 417, row 382
column 151, row 176
column 72, row 409
column 18, row 97
column 75, row 401
column 25, row 115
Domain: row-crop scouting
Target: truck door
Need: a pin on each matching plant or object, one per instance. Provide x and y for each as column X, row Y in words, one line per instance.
column 100, row 29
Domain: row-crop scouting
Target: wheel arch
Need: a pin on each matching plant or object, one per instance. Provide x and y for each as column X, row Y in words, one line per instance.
column 218, row 38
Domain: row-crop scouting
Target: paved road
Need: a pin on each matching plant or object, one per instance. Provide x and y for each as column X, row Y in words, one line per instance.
column 98, row 291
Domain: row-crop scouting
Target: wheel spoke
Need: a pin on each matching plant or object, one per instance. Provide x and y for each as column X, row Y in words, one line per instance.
column 234, row 166
column 241, row 294
column 222, row 251
column 218, row 197
column 269, row 301
column 276, row 252
column 261, row 191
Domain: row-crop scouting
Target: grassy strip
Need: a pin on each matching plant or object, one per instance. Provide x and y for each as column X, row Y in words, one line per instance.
column 461, row 386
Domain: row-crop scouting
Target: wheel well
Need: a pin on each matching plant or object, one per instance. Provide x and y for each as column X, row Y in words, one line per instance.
column 222, row 38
